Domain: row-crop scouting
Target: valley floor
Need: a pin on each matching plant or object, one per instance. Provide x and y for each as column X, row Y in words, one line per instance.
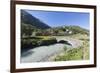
column 79, row 50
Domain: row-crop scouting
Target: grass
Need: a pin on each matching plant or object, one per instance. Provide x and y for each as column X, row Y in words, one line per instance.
column 45, row 37
column 80, row 36
column 73, row 54
column 79, row 53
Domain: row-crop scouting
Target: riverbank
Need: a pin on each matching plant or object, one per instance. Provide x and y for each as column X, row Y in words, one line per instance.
column 44, row 53
column 80, row 52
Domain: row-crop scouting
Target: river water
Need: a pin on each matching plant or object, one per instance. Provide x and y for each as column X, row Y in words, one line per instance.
column 42, row 53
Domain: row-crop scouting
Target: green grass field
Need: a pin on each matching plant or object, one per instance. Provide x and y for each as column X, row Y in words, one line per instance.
column 79, row 53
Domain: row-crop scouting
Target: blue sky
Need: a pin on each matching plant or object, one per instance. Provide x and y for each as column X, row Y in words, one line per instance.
column 54, row 19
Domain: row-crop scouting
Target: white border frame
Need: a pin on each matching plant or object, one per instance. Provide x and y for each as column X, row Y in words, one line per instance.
column 52, row 64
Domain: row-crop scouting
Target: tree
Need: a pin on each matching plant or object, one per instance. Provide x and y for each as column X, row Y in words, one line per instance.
column 56, row 32
column 26, row 29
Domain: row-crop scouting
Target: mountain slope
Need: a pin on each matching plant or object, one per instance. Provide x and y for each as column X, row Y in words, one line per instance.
column 71, row 29
column 27, row 18
column 77, row 29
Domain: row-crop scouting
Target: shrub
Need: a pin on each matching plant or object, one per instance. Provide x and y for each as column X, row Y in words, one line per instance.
column 26, row 44
column 37, row 41
column 48, row 41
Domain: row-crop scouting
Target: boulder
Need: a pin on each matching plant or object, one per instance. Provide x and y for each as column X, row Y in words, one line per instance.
column 64, row 42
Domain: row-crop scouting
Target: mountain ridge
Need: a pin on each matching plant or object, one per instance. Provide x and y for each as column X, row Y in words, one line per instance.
column 27, row 18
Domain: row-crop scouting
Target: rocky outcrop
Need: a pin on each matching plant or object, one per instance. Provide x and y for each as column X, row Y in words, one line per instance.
column 64, row 42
